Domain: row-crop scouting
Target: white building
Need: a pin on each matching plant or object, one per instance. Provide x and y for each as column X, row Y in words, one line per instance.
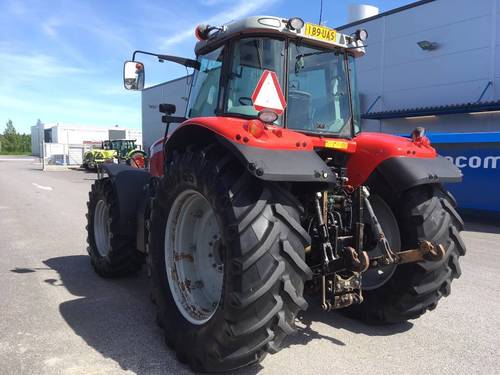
column 72, row 140
column 435, row 63
column 173, row 92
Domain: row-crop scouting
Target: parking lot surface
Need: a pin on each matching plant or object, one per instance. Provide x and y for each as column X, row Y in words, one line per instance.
column 58, row 317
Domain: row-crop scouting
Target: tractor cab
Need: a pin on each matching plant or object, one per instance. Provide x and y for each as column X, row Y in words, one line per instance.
column 313, row 66
column 121, row 146
column 122, row 150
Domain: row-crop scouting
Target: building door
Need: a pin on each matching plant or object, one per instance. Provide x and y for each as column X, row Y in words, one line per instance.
column 75, row 155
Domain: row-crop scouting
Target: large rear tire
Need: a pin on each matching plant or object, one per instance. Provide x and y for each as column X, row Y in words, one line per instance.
column 88, row 161
column 424, row 213
column 137, row 159
column 261, row 257
column 111, row 252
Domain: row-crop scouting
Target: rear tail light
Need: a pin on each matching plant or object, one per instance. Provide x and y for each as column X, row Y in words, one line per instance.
column 256, row 128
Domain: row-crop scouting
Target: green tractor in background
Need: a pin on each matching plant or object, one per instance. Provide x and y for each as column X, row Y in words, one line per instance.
column 117, row 150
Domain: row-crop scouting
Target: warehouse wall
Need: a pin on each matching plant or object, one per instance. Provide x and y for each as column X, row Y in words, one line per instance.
column 173, row 92
column 77, row 134
column 405, row 76
column 135, row 134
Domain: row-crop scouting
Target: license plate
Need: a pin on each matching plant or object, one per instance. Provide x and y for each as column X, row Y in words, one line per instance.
column 340, row 145
column 321, row 32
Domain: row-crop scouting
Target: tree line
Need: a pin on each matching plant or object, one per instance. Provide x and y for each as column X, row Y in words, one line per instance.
column 11, row 142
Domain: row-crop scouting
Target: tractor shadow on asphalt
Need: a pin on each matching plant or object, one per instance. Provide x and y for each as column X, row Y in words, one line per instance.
column 479, row 225
column 336, row 319
column 116, row 318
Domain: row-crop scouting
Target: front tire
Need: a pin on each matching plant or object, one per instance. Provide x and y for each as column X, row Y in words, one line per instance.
column 424, row 213
column 262, row 258
column 87, row 162
column 137, row 159
column 111, row 253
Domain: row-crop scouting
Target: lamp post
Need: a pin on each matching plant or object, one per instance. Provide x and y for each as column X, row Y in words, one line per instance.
column 41, row 133
column 66, row 153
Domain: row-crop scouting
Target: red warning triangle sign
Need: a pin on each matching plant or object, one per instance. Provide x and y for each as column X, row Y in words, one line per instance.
column 268, row 94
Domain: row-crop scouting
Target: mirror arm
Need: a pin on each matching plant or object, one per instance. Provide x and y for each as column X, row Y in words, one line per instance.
column 189, row 63
column 167, row 119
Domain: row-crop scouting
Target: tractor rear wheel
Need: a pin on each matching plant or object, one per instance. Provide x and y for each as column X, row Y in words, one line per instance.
column 137, row 159
column 88, row 161
column 423, row 213
column 227, row 261
column 111, row 253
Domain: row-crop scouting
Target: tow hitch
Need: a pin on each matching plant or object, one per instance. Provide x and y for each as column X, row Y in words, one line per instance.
column 425, row 251
column 342, row 270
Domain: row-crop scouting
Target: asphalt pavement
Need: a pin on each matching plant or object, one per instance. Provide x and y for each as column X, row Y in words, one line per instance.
column 58, row 317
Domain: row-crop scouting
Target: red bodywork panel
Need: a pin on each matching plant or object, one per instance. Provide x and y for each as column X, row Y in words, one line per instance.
column 255, row 133
column 156, row 158
column 367, row 150
column 373, row 148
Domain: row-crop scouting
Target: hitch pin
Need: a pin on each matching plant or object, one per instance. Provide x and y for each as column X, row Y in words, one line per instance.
column 324, row 304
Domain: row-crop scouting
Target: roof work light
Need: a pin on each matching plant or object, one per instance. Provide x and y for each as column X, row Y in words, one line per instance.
column 267, row 116
column 360, row 34
column 295, row 23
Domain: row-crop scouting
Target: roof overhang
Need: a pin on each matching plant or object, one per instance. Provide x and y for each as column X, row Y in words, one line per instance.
column 269, row 25
column 453, row 109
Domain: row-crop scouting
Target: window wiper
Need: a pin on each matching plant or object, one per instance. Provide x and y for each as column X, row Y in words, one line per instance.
column 258, row 53
column 313, row 53
column 299, row 59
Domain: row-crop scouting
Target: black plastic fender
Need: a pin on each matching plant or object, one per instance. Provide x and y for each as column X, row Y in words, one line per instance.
column 282, row 165
column 265, row 164
column 130, row 186
column 403, row 173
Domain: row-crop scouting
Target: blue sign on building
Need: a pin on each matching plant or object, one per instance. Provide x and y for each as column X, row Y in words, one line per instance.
column 478, row 156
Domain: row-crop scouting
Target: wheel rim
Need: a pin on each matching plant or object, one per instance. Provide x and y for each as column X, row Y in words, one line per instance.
column 375, row 278
column 194, row 257
column 137, row 160
column 101, row 227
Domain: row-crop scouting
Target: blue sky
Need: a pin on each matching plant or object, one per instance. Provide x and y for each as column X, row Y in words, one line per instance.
column 61, row 61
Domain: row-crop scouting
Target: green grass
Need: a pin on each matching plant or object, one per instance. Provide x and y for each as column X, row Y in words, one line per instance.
column 18, row 153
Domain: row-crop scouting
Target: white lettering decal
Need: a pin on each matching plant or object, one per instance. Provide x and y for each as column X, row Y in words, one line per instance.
column 493, row 160
column 458, row 163
column 489, row 162
column 475, row 162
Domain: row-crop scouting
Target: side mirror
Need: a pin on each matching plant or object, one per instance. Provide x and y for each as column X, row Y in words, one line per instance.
column 133, row 75
column 167, row 108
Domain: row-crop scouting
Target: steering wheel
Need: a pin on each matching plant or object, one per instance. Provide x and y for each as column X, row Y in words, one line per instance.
column 245, row 100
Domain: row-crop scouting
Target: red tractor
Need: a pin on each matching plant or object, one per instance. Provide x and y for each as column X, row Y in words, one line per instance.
column 249, row 207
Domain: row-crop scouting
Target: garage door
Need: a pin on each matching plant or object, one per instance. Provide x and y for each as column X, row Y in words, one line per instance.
column 75, row 155
column 117, row 134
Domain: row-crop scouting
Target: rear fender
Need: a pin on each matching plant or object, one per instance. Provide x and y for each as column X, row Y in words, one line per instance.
column 131, row 152
column 282, row 159
column 156, row 161
column 130, row 186
column 399, row 161
column 402, row 173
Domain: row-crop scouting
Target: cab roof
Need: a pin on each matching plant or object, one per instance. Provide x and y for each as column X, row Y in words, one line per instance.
column 271, row 25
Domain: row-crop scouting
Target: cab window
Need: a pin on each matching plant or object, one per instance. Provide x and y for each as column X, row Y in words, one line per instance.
column 250, row 57
column 205, row 89
column 318, row 90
